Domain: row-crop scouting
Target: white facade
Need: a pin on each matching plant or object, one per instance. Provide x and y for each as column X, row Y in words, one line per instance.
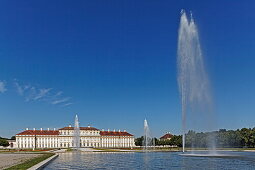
column 63, row 138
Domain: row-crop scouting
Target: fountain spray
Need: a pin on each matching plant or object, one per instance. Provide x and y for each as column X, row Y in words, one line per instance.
column 76, row 133
column 147, row 138
column 192, row 77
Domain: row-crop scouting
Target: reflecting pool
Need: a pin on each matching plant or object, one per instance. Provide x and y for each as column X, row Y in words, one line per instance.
column 151, row 160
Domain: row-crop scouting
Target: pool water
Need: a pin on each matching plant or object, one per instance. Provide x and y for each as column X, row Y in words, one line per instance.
column 152, row 160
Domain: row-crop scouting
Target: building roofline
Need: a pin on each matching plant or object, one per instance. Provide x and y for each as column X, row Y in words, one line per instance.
column 81, row 128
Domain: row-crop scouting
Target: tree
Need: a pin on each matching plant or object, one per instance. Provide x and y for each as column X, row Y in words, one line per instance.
column 156, row 141
column 190, row 138
column 139, row 141
column 4, row 142
column 176, row 140
column 245, row 133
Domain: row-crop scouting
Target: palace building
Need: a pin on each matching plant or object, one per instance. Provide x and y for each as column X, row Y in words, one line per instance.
column 64, row 138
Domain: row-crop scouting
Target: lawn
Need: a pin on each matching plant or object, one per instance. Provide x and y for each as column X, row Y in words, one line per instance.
column 29, row 163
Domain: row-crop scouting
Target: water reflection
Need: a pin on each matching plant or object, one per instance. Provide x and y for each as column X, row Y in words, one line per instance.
column 149, row 160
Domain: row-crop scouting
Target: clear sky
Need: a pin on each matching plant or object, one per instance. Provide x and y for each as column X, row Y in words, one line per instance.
column 114, row 63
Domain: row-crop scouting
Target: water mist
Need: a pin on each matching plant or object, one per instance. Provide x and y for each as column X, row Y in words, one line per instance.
column 193, row 81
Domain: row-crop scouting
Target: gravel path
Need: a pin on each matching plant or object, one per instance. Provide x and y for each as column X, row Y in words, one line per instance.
column 10, row 159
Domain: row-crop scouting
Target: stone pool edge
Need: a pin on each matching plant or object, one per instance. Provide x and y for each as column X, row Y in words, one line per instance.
column 42, row 164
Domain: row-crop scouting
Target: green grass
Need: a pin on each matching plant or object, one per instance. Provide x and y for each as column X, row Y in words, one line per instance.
column 29, row 163
column 69, row 149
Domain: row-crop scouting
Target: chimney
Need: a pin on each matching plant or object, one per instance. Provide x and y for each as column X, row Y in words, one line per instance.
column 114, row 130
column 26, row 128
column 54, row 129
column 70, row 125
column 119, row 130
column 124, row 130
column 34, row 129
column 108, row 130
column 102, row 129
column 41, row 129
column 88, row 126
column 48, row 129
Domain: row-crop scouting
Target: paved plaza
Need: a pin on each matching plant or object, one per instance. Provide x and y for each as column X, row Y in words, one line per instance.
column 10, row 159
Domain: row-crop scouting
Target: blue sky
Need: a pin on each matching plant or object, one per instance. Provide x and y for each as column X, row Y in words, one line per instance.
column 114, row 63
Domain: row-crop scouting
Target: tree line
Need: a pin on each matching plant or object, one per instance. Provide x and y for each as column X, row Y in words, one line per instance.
column 175, row 140
column 240, row 138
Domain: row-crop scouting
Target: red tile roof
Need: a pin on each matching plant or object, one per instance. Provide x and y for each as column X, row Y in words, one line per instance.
column 112, row 133
column 56, row 132
column 167, row 136
column 81, row 128
column 39, row 132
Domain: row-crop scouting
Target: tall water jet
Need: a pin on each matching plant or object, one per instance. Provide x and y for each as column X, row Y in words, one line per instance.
column 194, row 86
column 148, row 141
column 76, row 136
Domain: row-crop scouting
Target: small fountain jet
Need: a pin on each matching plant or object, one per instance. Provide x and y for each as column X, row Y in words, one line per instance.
column 147, row 138
column 76, row 137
